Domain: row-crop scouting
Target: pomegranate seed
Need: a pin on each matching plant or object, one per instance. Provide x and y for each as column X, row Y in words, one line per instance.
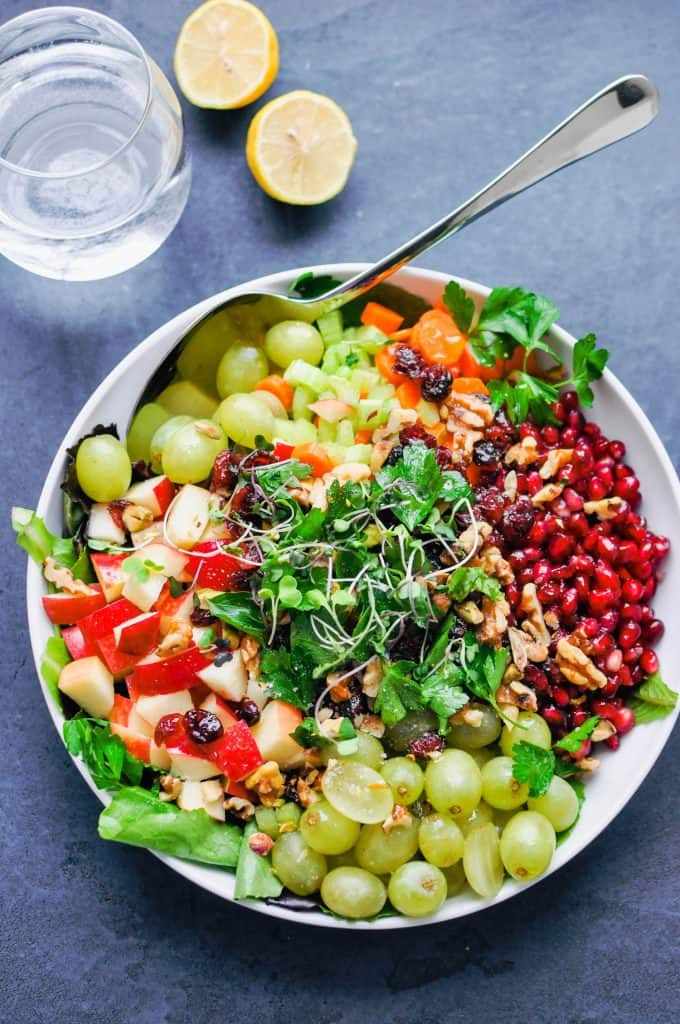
column 529, row 430
column 662, row 546
column 518, row 561
column 536, row 678
column 542, row 572
column 575, row 419
column 614, row 661
column 617, row 450
column 583, row 455
column 560, row 547
column 558, row 410
column 573, row 500
column 631, row 611
column 649, row 662
column 539, row 532
column 629, row 634
column 534, row 482
column 603, row 644
column 582, row 751
column 606, row 577
column 578, row 525
column 590, row 628
column 597, row 490
column 632, row 591
column 548, row 593
column 625, row 676
column 650, row 588
column 551, row 435
column 632, row 655
column 569, row 437
column 554, row 717
column 613, row 742
column 582, row 585
column 569, row 602
column 624, row 720
column 602, row 708
column 607, row 549
column 643, row 570
column 628, row 552
column 611, row 687
column 636, row 675
column 570, row 400
column 627, row 487
column 562, row 572
column 653, row 630
column 578, row 717
column 609, row 620
column 582, row 563
column 560, row 696
column 600, row 599
column 512, row 593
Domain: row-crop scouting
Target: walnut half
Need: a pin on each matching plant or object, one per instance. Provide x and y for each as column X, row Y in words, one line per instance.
column 577, row 667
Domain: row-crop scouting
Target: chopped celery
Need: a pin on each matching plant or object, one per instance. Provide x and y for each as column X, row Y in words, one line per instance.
column 344, row 390
column 337, row 453
column 359, row 453
column 382, row 391
column 301, row 398
column 370, row 339
column 301, row 373
column 365, row 380
column 428, row 412
column 325, row 432
column 344, row 432
column 294, row 431
column 330, row 327
column 373, row 412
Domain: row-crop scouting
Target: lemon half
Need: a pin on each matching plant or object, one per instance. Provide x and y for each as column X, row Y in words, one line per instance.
column 227, row 55
column 301, row 148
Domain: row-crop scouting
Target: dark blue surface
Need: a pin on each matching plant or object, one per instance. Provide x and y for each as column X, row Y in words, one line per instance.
column 442, row 95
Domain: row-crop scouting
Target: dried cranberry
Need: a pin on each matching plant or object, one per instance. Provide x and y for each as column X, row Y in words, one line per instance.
column 169, row 727
column 247, row 710
column 225, row 471
column 517, row 521
column 486, row 453
column 436, row 383
column 426, row 744
column 409, row 362
column 491, row 503
column 414, row 432
column 203, row 726
column 202, row 617
column 444, row 457
column 244, row 500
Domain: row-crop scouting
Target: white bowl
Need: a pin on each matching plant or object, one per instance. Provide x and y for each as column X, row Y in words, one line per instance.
column 619, row 774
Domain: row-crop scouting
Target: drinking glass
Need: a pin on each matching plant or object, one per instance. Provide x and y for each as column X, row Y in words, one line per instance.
column 93, row 170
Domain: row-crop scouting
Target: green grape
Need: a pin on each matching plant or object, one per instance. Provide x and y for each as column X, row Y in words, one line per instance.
column 161, row 438
column 190, row 452
column 480, row 816
column 358, row 792
column 405, row 779
column 275, row 404
column 300, row 868
column 184, row 398
column 382, row 852
column 293, row 339
column 559, row 804
column 499, row 787
column 203, row 350
column 327, row 830
column 267, row 822
column 241, row 367
column 531, row 728
column 482, row 861
column 294, row 431
column 145, row 424
column 440, row 840
column 527, row 845
column 501, row 818
column 353, row 892
column 245, row 417
column 417, row 889
column 468, row 737
column 369, row 752
column 453, row 782
column 400, row 735
column 455, row 878
column 343, row 860
column 288, row 813
column 480, row 757
column 103, row 467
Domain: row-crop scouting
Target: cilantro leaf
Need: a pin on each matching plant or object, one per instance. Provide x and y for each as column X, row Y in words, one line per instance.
column 307, row 734
column 413, row 483
column 104, row 754
column 653, row 700
column 287, row 474
column 527, row 395
column 460, row 305
column 342, row 499
column 574, row 739
column 238, row 609
column 288, row 675
column 483, row 667
column 442, row 694
column 533, row 765
column 398, row 693
column 454, row 488
column 466, row 580
column 588, row 365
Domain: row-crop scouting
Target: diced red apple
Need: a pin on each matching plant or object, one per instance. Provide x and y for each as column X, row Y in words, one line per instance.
column 109, row 572
column 257, row 692
column 65, row 609
column 125, row 713
column 90, row 684
column 154, row 494
column 218, row 707
column 76, row 644
column 331, row 410
column 188, row 763
column 102, row 525
column 228, row 679
column 144, row 592
column 169, row 561
column 138, row 635
column 166, row 675
column 103, row 621
column 272, row 734
column 141, row 538
column 216, row 569
column 118, row 662
column 137, row 745
column 189, row 516
column 236, row 789
column 237, row 753
column 282, row 451
column 174, row 608
column 152, row 709
column 207, row 796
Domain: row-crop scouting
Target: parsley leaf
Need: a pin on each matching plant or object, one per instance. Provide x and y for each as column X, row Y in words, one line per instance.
column 588, row 365
column 238, row 609
column 483, row 667
column 311, row 286
column 287, row 474
column 288, row 675
column 398, row 693
column 307, row 734
column 511, row 317
column 466, row 580
column 653, row 700
column 533, row 765
column 574, row 739
column 460, row 305
column 105, row 755
column 415, row 482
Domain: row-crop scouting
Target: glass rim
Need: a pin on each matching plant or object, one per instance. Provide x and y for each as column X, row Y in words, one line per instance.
column 137, row 48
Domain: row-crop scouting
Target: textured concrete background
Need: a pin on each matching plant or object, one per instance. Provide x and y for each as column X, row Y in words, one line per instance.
column 442, row 95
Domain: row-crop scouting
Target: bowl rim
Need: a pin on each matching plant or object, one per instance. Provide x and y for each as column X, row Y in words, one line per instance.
column 201, row 874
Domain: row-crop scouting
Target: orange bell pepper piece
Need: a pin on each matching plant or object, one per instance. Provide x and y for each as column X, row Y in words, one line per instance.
column 386, row 320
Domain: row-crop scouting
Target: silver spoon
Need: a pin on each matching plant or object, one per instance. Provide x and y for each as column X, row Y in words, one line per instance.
column 620, row 109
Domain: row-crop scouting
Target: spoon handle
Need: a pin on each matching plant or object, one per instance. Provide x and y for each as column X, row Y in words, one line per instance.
column 620, row 109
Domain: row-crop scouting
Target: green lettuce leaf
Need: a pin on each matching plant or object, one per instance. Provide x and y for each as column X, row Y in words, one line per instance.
column 254, row 876
column 140, row 818
column 54, row 659
column 653, row 700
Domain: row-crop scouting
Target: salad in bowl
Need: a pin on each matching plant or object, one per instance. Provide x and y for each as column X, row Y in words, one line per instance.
column 355, row 608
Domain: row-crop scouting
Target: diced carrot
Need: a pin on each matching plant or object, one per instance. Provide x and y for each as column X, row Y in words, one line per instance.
column 440, row 304
column 470, row 386
column 403, row 335
column 515, row 361
column 278, row 387
column 470, row 367
column 408, row 394
column 438, row 338
column 473, row 474
column 438, row 432
column 386, row 320
column 384, row 364
column 314, row 455
column 363, row 436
